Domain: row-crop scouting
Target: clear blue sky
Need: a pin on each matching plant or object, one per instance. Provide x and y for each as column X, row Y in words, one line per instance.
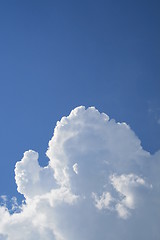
column 56, row 55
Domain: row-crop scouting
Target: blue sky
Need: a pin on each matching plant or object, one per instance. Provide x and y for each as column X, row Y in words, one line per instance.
column 57, row 55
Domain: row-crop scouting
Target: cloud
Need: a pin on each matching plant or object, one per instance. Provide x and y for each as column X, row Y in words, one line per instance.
column 75, row 168
column 99, row 184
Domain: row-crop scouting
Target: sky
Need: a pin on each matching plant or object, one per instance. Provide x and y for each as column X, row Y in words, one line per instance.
column 56, row 56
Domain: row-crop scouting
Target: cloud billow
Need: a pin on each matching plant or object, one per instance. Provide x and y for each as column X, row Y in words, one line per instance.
column 99, row 184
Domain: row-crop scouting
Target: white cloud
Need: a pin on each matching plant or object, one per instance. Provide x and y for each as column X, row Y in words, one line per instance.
column 102, row 201
column 3, row 200
column 75, row 168
column 99, row 184
column 126, row 186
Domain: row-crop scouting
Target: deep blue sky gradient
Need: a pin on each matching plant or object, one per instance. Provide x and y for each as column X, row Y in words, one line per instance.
column 56, row 55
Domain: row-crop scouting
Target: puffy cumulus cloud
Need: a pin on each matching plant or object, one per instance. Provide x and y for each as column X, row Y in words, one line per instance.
column 28, row 173
column 99, row 184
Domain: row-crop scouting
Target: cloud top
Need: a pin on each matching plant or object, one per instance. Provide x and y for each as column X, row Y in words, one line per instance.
column 99, row 183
